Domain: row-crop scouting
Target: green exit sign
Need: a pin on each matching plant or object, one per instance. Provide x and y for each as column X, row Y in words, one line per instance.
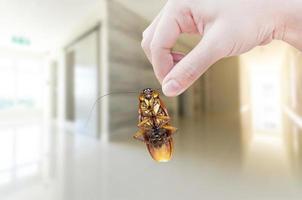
column 20, row 40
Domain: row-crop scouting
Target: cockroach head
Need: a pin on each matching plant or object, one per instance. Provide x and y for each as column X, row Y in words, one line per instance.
column 148, row 94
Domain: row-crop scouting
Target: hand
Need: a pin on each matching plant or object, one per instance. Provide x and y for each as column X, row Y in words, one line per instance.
column 228, row 27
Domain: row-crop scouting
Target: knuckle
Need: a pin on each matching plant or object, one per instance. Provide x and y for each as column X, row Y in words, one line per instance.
column 190, row 74
column 184, row 10
column 229, row 49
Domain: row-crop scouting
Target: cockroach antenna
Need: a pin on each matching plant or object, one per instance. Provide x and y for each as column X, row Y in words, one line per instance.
column 100, row 98
column 105, row 95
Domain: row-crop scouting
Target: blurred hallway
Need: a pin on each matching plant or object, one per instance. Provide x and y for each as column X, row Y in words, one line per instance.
column 239, row 126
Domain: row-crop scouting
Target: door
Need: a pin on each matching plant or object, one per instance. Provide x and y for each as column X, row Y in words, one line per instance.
column 85, row 69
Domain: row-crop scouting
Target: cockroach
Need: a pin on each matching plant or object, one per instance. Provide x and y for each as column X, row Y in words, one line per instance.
column 154, row 126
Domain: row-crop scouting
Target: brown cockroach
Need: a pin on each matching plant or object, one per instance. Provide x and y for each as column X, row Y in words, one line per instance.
column 154, row 126
column 153, row 123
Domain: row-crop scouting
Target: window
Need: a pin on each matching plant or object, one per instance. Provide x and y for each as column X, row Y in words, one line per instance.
column 21, row 83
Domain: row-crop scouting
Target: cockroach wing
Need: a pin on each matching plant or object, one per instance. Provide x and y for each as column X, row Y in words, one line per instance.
column 163, row 153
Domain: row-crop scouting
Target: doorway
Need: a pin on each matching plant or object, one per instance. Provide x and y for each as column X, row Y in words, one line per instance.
column 82, row 83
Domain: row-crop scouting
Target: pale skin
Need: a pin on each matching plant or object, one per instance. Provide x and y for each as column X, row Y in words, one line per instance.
column 228, row 28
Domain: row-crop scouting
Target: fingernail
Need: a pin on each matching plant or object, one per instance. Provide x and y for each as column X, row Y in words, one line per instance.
column 171, row 88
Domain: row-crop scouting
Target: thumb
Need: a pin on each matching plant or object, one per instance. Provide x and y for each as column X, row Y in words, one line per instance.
column 193, row 65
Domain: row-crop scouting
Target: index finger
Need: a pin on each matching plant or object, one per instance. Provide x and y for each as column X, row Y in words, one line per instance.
column 163, row 40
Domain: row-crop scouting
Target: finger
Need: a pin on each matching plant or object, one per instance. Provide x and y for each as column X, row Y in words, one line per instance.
column 195, row 63
column 148, row 36
column 163, row 40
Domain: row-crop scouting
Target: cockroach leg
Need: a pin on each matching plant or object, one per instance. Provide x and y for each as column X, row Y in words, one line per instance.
column 162, row 117
column 139, row 135
column 156, row 108
column 162, row 120
column 143, row 123
column 170, row 128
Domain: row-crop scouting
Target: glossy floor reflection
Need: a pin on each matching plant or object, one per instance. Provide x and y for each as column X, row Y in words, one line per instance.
column 216, row 157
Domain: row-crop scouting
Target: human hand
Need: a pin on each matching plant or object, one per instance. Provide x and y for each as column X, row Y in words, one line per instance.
column 228, row 27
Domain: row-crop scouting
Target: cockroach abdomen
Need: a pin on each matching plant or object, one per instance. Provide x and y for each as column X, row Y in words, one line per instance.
column 161, row 153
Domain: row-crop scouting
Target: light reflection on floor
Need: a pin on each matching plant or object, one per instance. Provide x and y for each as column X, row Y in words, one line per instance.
column 215, row 158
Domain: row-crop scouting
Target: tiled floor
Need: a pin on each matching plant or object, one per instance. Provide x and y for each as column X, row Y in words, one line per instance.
column 216, row 157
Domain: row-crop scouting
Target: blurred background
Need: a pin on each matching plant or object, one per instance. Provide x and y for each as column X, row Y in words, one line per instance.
column 239, row 126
